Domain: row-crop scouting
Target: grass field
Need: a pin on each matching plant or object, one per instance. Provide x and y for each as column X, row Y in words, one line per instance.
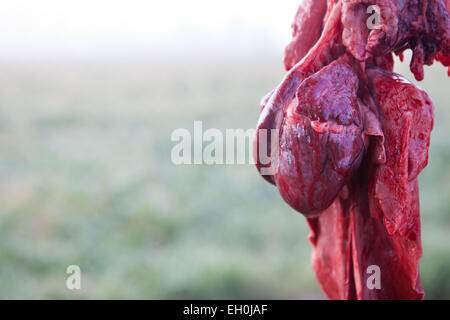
column 86, row 179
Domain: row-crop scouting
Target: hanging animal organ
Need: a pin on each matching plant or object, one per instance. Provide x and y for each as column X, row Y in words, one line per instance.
column 351, row 137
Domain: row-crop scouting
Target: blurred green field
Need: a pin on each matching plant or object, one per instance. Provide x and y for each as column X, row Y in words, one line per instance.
column 86, row 179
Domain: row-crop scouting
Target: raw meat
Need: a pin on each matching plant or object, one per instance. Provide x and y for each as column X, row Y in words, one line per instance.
column 352, row 137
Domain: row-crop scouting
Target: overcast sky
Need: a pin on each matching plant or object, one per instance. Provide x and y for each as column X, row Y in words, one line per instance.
column 127, row 27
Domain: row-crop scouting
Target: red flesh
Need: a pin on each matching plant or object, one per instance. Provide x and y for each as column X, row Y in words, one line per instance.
column 353, row 138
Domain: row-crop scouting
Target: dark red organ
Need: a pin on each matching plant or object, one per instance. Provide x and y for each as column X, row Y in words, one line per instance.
column 353, row 137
